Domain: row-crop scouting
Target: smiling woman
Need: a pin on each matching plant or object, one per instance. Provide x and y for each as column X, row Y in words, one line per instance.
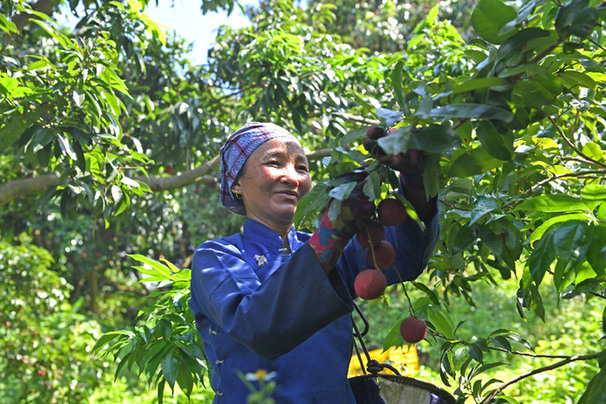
column 275, row 178
column 277, row 300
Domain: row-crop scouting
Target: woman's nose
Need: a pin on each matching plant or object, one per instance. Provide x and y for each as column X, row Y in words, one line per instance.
column 291, row 175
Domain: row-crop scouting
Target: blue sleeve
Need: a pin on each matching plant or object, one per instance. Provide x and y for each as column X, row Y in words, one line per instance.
column 413, row 246
column 272, row 317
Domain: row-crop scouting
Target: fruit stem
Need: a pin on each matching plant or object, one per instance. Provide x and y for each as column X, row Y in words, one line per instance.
column 372, row 251
column 410, row 308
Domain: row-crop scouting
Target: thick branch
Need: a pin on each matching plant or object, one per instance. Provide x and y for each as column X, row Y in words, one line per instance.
column 24, row 187
column 540, row 370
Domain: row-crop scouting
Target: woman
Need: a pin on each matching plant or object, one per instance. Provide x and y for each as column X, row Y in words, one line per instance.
column 278, row 300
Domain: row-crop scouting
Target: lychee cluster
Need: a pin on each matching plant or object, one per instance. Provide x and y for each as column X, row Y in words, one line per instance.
column 371, row 283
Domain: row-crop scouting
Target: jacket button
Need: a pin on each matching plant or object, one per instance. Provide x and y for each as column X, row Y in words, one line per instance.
column 219, row 362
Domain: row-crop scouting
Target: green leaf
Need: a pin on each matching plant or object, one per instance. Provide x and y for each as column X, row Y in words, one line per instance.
column 396, row 82
column 469, row 110
column 342, row 192
column 496, row 144
column 110, row 336
column 594, row 192
column 475, row 351
column 576, row 18
column 572, row 240
column 494, row 83
column 473, row 162
column 463, row 238
column 542, row 256
column 539, row 231
column 434, row 139
column 481, row 208
column 554, row 203
column 596, row 254
column 394, row 337
column 7, row 25
column 441, row 321
column 387, row 116
column 10, row 132
column 170, row 368
column 489, row 17
column 156, row 266
column 78, row 97
column 66, row 147
column 596, row 389
column 354, row 135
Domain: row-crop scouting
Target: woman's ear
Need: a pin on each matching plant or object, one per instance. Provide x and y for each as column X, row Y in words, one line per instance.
column 236, row 188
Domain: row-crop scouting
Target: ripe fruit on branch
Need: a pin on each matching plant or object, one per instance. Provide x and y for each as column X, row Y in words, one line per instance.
column 384, row 255
column 376, row 232
column 169, row 170
column 370, row 284
column 375, row 133
column 413, row 330
column 391, row 212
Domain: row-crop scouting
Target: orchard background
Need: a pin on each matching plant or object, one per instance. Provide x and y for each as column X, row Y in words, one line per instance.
column 109, row 139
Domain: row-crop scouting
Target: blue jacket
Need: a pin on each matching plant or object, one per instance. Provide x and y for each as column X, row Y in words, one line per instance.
column 257, row 308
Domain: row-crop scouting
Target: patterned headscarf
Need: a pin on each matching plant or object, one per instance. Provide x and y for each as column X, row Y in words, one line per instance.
column 236, row 150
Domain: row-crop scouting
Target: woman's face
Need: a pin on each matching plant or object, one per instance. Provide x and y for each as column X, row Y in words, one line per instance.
column 273, row 180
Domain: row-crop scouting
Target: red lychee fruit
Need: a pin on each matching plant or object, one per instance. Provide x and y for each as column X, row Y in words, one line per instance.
column 384, row 255
column 169, row 170
column 375, row 132
column 391, row 212
column 413, row 330
column 376, row 232
column 370, row 284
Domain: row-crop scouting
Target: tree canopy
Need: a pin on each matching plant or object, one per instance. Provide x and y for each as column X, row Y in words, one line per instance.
column 109, row 138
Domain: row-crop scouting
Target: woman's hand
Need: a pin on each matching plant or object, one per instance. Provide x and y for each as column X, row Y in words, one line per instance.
column 331, row 236
column 410, row 165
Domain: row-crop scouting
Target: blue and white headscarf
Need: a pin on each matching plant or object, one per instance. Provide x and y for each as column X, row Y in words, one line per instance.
column 236, row 150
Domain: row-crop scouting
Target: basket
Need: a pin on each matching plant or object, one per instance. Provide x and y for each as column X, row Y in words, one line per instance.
column 381, row 388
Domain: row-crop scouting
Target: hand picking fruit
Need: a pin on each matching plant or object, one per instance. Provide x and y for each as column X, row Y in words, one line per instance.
column 272, row 295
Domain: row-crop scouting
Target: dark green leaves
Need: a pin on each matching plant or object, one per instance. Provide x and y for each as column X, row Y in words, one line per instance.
column 489, row 17
column 432, row 139
column 576, row 18
column 471, row 110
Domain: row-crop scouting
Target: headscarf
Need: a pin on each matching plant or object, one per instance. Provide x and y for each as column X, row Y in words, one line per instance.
column 236, row 150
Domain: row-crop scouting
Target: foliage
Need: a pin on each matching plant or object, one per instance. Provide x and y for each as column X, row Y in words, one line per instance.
column 46, row 341
column 112, row 120
column 166, row 347
column 514, row 142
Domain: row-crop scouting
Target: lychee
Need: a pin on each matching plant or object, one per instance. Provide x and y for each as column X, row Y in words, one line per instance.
column 375, row 132
column 382, row 255
column 391, row 212
column 372, row 229
column 370, row 284
column 413, row 330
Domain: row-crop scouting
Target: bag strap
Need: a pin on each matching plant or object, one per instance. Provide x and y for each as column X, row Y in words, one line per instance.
column 373, row 366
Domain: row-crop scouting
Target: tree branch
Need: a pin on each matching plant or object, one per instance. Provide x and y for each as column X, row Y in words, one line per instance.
column 576, row 149
column 577, row 174
column 540, row 370
column 24, row 187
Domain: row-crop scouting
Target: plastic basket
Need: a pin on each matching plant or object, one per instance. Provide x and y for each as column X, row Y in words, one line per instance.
column 393, row 389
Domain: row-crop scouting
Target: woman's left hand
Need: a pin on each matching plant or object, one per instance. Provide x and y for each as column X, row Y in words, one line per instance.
column 410, row 165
